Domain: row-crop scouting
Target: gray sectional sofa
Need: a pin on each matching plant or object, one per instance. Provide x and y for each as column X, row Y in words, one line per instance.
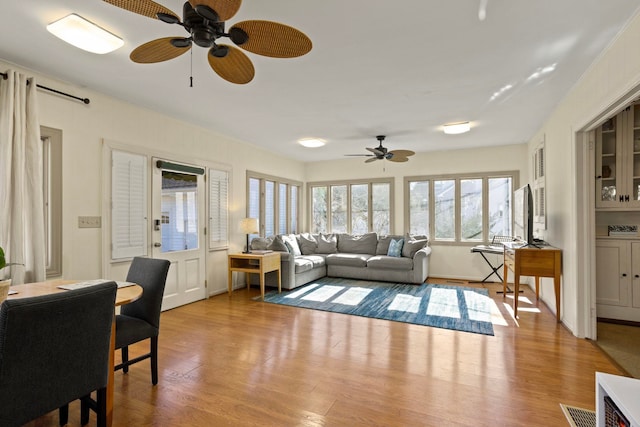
column 306, row 257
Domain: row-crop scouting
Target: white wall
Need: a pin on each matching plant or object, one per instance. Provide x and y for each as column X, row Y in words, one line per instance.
column 615, row 74
column 84, row 127
column 446, row 260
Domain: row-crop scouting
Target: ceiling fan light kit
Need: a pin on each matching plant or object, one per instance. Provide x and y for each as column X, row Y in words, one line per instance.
column 204, row 20
column 457, row 128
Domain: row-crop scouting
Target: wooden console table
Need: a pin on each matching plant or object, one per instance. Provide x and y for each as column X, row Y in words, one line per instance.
column 254, row 263
column 545, row 261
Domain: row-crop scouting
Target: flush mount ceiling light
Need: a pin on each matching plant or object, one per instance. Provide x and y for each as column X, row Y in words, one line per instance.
column 311, row 142
column 83, row 34
column 456, row 128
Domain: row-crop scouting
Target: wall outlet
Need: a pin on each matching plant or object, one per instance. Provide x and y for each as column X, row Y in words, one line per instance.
column 89, row 222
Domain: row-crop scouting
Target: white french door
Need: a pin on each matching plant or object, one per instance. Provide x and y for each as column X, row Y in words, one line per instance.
column 178, row 209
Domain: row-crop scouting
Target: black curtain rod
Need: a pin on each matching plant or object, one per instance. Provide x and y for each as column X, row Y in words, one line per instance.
column 5, row 76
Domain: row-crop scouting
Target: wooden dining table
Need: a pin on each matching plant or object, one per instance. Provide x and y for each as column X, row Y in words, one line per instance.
column 124, row 295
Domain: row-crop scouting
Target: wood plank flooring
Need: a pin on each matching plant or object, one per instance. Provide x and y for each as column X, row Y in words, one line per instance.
column 232, row 361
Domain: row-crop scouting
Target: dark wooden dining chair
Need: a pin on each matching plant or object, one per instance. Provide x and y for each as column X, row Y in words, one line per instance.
column 140, row 320
column 54, row 349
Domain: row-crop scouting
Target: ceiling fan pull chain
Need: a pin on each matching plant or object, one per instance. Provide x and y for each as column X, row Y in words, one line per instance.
column 191, row 73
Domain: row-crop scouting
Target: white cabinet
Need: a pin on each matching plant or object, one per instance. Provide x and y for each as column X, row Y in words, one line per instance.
column 618, row 279
column 618, row 161
column 623, row 393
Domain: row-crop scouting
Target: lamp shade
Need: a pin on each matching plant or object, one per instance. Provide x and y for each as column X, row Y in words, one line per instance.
column 249, row 226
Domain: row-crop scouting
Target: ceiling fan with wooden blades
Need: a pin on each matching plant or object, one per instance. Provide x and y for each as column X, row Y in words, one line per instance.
column 381, row 153
column 204, row 20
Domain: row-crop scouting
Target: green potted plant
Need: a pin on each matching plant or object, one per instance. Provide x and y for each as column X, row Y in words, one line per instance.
column 4, row 284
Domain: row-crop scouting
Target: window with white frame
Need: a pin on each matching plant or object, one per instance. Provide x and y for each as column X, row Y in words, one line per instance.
column 275, row 202
column 539, row 187
column 460, row 208
column 355, row 207
column 218, row 209
column 52, row 190
column 128, row 205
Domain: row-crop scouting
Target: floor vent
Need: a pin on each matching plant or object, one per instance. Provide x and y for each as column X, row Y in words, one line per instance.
column 579, row 417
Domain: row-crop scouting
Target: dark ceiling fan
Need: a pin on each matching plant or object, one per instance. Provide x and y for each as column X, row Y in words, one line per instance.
column 204, row 20
column 381, row 153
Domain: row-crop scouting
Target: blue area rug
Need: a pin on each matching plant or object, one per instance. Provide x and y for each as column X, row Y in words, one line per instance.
column 441, row 306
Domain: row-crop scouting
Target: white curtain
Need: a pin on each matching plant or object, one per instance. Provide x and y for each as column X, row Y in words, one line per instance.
column 22, row 225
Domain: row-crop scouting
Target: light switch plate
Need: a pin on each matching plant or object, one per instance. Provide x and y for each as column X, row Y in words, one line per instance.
column 89, row 222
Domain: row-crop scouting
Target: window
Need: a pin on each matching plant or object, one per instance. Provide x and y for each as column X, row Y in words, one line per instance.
column 218, row 209
column 52, row 190
column 539, row 185
column 128, row 205
column 275, row 202
column 356, row 207
column 463, row 208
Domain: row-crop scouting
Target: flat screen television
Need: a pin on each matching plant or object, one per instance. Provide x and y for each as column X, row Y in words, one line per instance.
column 523, row 214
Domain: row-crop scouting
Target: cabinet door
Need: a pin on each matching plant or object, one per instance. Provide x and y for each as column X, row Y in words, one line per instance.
column 609, row 164
column 613, row 278
column 635, row 269
column 632, row 155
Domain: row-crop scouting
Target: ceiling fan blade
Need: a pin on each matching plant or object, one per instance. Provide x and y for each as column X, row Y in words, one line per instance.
column 398, row 159
column 158, row 50
column 143, row 7
column 402, row 153
column 373, row 159
column 376, row 151
column 234, row 67
column 271, row 39
column 225, row 9
column 360, row 155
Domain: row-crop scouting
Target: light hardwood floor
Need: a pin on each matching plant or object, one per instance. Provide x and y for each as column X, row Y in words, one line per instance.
column 233, row 361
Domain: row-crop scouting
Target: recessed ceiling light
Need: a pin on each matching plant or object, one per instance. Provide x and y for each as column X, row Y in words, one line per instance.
column 83, row 34
column 456, row 128
column 311, row 142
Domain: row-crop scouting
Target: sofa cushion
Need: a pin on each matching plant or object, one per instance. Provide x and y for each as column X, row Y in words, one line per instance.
column 291, row 242
column 383, row 244
column 362, row 244
column 278, row 244
column 327, row 244
column 412, row 246
column 348, row 260
column 261, row 243
column 302, row 265
column 308, row 244
column 395, row 248
column 391, row 263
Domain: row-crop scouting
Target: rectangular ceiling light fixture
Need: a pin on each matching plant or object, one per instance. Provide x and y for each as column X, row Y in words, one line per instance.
column 83, row 34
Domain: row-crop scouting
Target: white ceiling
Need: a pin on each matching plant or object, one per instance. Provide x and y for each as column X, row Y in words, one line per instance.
column 377, row 67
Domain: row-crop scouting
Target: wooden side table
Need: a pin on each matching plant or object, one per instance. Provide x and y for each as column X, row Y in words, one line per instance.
column 254, row 263
column 537, row 262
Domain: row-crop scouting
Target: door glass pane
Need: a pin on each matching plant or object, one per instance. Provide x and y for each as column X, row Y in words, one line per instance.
column 339, row 209
column 500, row 190
column 381, row 199
column 179, row 211
column 319, row 209
column 445, row 208
column 419, row 207
column 359, row 208
column 471, row 209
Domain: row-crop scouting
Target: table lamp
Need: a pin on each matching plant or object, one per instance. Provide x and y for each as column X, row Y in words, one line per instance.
column 249, row 226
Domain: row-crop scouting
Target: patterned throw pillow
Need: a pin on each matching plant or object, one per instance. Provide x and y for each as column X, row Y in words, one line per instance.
column 395, row 248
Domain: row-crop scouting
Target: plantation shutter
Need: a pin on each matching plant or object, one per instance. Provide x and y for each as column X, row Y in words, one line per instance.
column 294, row 209
column 218, row 208
column 128, row 205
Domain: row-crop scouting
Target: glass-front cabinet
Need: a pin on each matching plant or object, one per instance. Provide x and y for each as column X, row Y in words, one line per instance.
column 618, row 161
